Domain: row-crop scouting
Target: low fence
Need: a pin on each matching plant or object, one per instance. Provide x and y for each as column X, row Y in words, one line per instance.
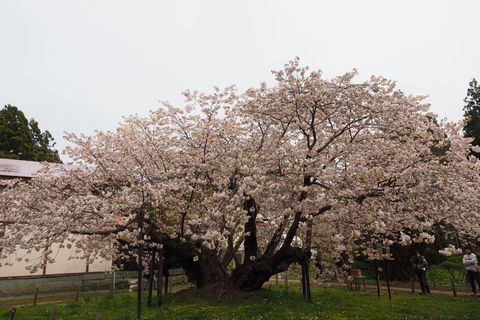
column 60, row 283
column 44, row 287
column 11, row 287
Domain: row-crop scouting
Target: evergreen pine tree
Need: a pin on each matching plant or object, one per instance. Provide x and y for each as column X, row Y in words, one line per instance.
column 22, row 139
column 472, row 114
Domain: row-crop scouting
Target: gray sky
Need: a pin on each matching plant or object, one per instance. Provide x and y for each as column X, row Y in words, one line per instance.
column 80, row 66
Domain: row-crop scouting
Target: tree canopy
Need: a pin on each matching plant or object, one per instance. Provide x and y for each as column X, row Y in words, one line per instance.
column 22, row 139
column 251, row 181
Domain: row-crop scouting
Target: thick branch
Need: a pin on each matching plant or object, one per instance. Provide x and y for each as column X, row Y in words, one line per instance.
column 275, row 240
column 292, row 231
column 251, row 246
column 231, row 251
column 339, row 133
column 104, row 232
column 322, row 210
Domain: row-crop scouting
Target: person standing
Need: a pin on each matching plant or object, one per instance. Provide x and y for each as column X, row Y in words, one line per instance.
column 470, row 262
column 420, row 268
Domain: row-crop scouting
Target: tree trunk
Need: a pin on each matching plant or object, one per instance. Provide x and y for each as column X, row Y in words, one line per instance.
column 253, row 274
column 210, row 269
column 205, row 268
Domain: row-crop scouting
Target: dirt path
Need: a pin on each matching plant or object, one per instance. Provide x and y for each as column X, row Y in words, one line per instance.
column 383, row 288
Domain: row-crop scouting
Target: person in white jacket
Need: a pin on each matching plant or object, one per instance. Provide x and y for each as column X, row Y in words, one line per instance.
column 470, row 262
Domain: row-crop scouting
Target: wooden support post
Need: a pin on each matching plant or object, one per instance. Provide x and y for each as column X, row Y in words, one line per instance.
column 13, row 313
column 377, row 278
column 140, row 265
column 276, row 279
column 306, row 262
column 151, row 279
column 307, row 281
column 35, row 297
column 412, row 284
column 112, row 285
column 139, row 284
column 114, row 281
column 159, row 277
column 77, row 291
column 53, row 313
column 166, row 281
column 285, row 279
column 304, row 282
column 388, row 280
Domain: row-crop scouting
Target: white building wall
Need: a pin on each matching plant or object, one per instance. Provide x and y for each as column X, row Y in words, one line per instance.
column 63, row 263
column 17, row 268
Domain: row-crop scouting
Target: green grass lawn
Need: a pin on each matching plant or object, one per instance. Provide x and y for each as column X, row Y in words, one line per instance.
column 272, row 302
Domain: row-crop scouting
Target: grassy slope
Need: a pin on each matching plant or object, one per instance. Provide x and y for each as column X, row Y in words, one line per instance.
column 270, row 303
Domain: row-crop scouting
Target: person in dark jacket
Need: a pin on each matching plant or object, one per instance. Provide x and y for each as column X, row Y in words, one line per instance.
column 420, row 268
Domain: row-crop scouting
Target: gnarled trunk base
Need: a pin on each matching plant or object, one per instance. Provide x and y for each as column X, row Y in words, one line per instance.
column 203, row 267
column 253, row 274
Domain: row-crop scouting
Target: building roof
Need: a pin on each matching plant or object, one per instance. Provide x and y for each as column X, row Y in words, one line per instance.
column 11, row 168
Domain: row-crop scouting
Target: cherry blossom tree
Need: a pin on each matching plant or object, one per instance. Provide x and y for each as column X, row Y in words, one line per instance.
column 249, row 182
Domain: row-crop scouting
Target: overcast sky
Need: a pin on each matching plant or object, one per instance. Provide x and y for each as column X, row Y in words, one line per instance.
column 79, row 66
